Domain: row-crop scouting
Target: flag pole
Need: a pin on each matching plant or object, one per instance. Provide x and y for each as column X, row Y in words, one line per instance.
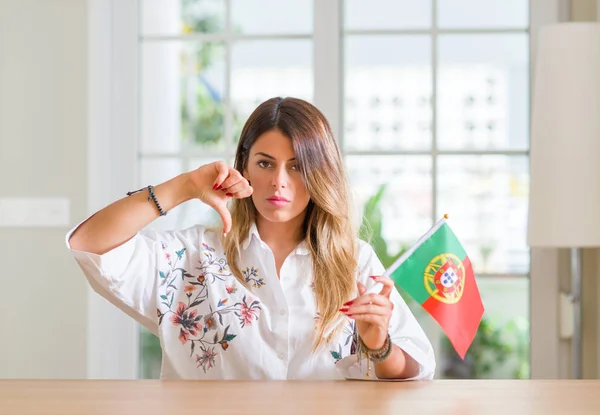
column 388, row 272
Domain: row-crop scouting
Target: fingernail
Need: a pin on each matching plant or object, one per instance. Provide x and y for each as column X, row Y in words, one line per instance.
column 229, row 194
column 374, row 277
column 349, row 315
column 349, row 303
column 216, row 186
column 343, row 309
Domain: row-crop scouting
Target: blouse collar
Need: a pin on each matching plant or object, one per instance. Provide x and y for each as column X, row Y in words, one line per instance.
column 301, row 249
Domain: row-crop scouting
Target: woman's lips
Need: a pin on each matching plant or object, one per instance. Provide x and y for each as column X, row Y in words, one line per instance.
column 278, row 201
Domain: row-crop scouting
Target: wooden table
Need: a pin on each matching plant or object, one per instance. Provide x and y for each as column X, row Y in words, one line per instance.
column 92, row 397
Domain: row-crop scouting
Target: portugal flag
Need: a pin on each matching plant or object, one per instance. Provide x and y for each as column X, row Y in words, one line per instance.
column 438, row 274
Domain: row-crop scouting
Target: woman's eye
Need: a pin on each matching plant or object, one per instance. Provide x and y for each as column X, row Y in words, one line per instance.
column 264, row 164
column 294, row 167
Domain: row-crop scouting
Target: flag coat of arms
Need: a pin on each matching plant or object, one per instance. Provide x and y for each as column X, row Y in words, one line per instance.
column 437, row 273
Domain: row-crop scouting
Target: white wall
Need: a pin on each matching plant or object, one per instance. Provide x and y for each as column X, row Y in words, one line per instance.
column 43, row 130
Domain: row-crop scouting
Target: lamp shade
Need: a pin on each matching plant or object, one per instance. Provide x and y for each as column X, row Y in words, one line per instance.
column 564, row 204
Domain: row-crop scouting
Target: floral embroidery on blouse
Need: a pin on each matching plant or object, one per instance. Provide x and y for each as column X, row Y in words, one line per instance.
column 349, row 334
column 195, row 329
column 251, row 275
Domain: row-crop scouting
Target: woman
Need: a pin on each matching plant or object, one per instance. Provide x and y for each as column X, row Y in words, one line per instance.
column 257, row 298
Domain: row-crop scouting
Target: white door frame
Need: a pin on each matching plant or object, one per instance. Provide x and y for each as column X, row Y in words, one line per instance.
column 112, row 340
column 545, row 351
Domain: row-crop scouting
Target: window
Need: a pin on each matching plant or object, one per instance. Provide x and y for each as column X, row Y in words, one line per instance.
column 434, row 104
column 436, row 107
column 204, row 65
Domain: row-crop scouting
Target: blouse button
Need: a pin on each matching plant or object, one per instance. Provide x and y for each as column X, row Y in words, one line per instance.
column 282, row 312
column 281, row 356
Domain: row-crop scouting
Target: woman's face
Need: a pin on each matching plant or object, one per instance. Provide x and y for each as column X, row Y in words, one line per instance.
column 280, row 193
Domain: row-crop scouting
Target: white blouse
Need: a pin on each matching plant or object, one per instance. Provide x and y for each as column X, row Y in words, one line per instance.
column 179, row 286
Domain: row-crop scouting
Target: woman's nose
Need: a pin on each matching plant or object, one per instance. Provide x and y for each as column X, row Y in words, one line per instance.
column 280, row 179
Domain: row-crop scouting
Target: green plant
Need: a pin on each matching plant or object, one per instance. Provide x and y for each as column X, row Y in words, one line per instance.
column 150, row 355
column 371, row 228
column 202, row 106
column 486, row 250
column 195, row 19
column 201, row 120
column 499, row 350
column 371, row 231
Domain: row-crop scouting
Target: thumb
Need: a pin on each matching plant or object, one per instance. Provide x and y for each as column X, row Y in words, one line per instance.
column 225, row 215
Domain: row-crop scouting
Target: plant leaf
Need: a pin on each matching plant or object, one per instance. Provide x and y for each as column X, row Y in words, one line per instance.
column 348, row 340
column 197, row 302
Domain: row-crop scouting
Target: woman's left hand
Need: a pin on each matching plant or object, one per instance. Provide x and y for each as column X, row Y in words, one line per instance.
column 372, row 313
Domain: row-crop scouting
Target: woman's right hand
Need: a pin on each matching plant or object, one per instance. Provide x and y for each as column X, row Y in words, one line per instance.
column 215, row 184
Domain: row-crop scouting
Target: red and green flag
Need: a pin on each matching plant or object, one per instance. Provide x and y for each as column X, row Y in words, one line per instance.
column 437, row 273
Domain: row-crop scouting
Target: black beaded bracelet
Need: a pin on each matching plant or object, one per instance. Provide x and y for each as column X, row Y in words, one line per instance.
column 151, row 198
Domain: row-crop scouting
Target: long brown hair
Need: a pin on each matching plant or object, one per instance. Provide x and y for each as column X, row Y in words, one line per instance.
column 327, row 227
